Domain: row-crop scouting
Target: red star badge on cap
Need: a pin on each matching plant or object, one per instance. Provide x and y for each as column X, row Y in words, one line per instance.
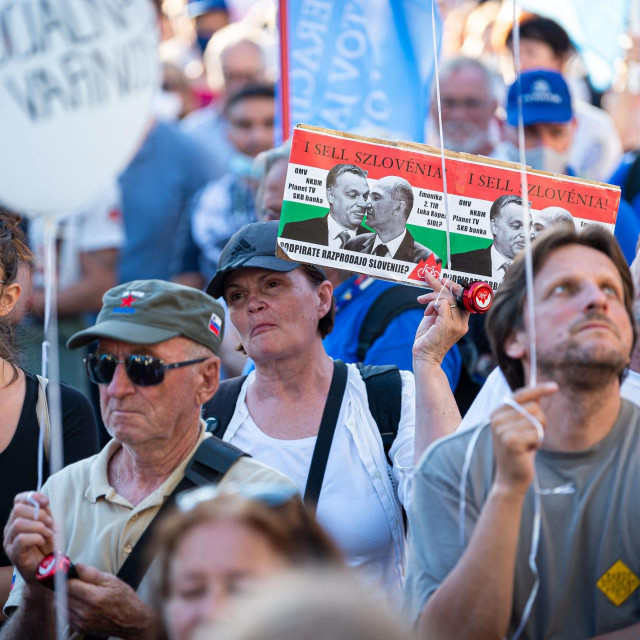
column 126, row 302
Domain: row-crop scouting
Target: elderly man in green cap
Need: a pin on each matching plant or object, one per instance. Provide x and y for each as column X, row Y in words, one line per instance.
column 155, row 365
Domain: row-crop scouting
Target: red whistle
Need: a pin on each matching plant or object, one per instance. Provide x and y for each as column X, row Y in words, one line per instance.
column 52, row 564
column 476, row 297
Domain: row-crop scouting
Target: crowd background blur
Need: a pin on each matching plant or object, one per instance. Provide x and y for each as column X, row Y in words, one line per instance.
column 214, row 156
column 193, row 181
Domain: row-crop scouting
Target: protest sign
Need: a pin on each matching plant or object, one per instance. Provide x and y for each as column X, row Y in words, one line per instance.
column 377, row 207
column 76, row 83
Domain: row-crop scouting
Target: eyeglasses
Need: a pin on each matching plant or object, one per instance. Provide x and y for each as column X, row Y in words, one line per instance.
column 272, row 496
column 144, row 371
column 464, row 103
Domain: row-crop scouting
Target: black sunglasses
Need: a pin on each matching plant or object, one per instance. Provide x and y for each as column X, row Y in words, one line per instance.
column 144, row 371
column 272, row 496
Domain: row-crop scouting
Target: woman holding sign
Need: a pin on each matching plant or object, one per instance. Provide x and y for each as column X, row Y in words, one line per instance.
column 20, row 394
column 319, row 421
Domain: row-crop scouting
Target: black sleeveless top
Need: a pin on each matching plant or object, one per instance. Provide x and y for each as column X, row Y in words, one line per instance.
column 19, row 461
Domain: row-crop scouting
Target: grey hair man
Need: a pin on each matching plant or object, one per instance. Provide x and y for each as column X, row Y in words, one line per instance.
column 541, row 220
column 469, row 99
column 508, row 229
column 156, row 364
column 348, row 198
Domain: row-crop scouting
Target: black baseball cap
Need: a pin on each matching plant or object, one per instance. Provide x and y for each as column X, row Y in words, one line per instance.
column 152, row 311
column 253, row 246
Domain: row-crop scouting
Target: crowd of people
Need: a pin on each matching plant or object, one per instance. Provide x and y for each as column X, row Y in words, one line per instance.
column 259, row 448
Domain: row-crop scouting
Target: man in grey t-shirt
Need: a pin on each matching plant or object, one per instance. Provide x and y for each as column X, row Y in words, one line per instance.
column 473, row 514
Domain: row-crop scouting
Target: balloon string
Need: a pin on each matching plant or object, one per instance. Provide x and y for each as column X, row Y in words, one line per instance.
column 442, row 161
column 50, row 369
column 526, row 214
column 533, row 372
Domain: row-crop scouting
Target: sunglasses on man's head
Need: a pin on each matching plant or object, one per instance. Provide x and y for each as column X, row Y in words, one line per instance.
column 144, row 371
column 273, row 496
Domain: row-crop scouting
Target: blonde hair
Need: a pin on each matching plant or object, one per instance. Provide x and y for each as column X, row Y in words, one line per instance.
column 290, row 530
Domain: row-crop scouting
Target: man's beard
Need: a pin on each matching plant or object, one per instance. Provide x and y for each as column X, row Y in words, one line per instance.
column 580, row 367
column 473, row 139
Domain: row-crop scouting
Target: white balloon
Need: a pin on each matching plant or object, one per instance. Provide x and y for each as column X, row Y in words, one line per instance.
column 77, row 79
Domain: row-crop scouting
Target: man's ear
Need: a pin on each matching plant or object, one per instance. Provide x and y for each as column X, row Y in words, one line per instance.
column 209, row 380
column 325, row 296
column 330, row 196
column 514, row 345
column 493, row 226
column 9, row 295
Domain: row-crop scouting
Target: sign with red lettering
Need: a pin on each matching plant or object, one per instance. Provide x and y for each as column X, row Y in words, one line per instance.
column 377, row 207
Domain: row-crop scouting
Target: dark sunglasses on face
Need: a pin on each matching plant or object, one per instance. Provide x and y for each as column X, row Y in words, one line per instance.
column 144, row 371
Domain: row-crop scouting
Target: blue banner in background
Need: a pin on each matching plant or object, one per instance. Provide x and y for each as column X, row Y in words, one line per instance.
column 362, row 66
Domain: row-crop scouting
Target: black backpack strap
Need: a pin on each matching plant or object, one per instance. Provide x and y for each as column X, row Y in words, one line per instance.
column 325, row 434
column 212, row 459
column 389, row 304
column 384, row 393
column 220, row 409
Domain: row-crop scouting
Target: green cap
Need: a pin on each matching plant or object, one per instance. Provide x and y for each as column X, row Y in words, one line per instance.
column 151, row 311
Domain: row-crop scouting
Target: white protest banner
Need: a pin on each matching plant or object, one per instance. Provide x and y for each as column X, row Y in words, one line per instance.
column 377, row 207
column 77, row 78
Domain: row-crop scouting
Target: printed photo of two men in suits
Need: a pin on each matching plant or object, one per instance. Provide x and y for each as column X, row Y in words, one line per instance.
column 386, row 204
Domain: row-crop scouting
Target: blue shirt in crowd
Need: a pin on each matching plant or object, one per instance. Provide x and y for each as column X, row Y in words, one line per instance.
column 157, row 187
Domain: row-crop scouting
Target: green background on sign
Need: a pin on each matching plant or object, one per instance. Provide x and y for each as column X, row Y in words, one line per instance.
column 434, row 239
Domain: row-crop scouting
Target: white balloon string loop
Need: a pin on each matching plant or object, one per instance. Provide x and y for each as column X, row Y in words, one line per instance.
column 444, row 288
column 50, row 369
column 35, row 503
column 442, row 160
column 526, row 214
column 525, row 414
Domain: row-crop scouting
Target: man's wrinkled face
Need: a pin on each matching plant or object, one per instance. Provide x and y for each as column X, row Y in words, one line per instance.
column 348, row 199
column 467, row 110
column 382, row 205
column 508, row 231
column 137, row 415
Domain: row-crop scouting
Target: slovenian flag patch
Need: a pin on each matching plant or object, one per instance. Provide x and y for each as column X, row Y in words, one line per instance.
column 215, row 324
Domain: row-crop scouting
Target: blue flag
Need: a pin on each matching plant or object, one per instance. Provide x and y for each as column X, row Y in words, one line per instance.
column 363, row 66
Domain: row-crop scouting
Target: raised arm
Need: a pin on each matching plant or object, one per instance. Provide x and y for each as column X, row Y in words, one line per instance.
column 443, row 324
column 474, row 600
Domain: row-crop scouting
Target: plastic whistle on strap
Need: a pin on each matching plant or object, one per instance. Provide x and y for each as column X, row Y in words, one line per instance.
column 52, row 564
column 476, row 297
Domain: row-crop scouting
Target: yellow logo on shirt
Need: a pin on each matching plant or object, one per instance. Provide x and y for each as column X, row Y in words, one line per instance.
column 618, row 583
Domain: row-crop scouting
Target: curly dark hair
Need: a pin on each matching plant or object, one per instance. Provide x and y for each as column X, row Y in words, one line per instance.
column 13, row 251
